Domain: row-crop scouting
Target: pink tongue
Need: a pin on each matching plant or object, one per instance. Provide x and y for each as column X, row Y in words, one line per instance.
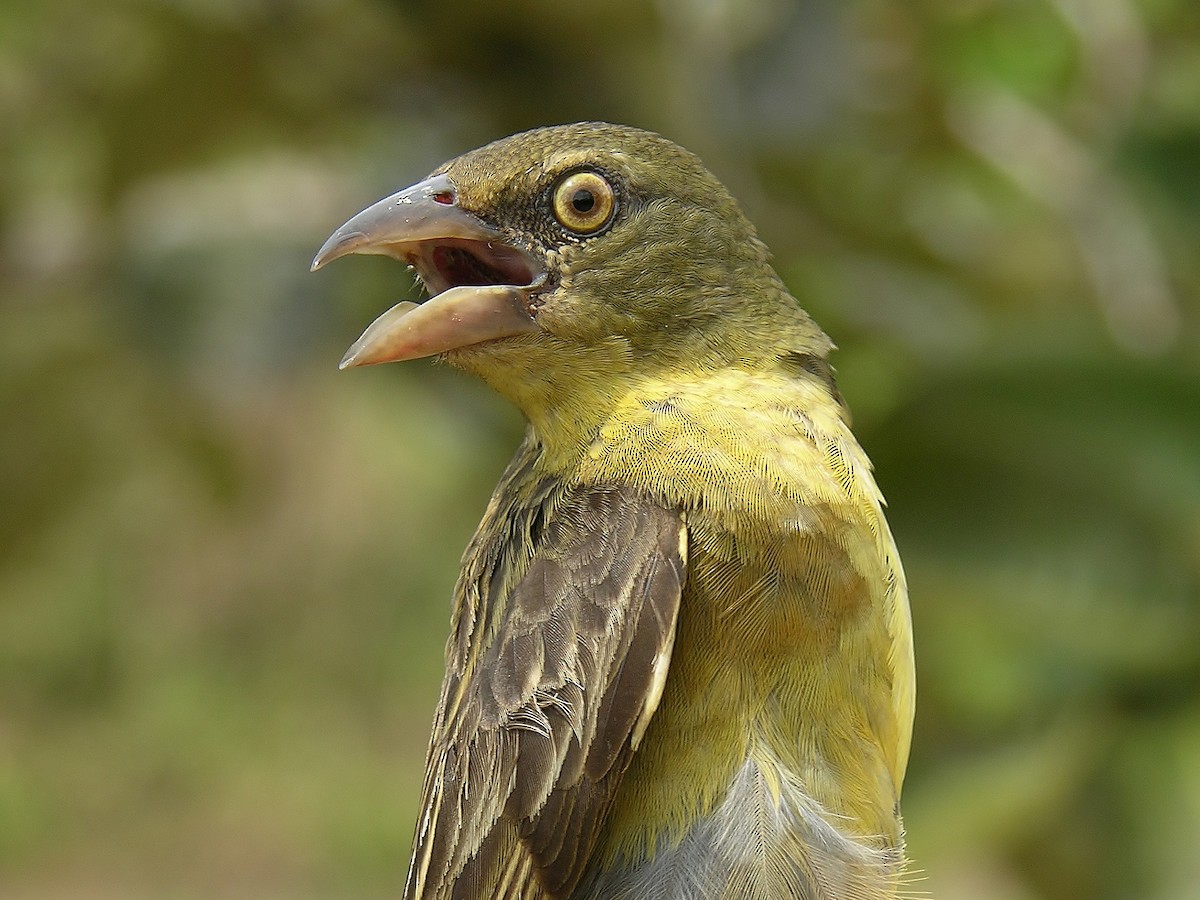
column 458, row 317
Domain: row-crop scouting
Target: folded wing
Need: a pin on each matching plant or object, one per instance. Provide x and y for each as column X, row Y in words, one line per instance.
column 552, row 682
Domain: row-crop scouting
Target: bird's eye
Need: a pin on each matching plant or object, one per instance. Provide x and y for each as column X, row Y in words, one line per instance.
column 584, row 202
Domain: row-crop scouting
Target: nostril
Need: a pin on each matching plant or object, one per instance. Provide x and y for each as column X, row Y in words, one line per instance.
column 446, row 198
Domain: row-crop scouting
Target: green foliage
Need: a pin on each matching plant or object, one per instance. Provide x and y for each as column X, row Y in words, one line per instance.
column 225, row 567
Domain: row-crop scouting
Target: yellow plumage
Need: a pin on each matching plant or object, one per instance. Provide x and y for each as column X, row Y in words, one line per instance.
column 681, row 658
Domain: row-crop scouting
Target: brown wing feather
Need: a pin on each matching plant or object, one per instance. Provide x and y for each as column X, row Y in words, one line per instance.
column 549, row 678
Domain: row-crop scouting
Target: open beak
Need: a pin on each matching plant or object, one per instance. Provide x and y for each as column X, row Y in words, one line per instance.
column 480, row 286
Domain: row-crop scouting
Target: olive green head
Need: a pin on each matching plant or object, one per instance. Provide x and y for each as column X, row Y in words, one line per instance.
column 573, row 252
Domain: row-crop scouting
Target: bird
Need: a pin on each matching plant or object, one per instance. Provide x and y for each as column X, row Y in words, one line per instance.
column 680, row 662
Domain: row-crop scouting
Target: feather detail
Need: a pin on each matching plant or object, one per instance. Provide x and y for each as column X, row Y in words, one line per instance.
column 560, row 669
column 766, row 841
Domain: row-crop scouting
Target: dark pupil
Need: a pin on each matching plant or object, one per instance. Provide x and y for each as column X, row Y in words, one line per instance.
column 583, row 200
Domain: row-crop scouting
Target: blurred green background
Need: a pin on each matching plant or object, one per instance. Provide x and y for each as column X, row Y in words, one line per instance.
column 225, row 566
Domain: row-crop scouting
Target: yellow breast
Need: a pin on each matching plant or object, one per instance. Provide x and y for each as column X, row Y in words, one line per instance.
column 794, row 646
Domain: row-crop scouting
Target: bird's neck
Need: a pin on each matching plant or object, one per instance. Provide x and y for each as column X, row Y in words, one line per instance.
column 695, row 436
column 576, row 398
column 566, row 393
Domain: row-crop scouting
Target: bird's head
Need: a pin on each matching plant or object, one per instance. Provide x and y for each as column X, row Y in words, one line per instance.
column 572, row 255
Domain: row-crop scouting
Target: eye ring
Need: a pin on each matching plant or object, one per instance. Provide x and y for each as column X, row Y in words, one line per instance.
column 584, row 202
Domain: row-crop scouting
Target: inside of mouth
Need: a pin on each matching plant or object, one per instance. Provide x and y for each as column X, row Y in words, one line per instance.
column 476, row 263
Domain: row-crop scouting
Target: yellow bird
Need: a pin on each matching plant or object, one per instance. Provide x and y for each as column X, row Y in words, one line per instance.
column 680, row 663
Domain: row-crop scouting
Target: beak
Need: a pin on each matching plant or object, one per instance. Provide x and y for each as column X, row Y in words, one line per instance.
column 480, row 285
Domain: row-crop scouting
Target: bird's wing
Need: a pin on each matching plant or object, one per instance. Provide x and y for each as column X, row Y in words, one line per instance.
column 556, row 673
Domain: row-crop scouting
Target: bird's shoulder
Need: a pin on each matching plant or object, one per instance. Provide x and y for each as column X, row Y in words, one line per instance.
column 757, row 448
